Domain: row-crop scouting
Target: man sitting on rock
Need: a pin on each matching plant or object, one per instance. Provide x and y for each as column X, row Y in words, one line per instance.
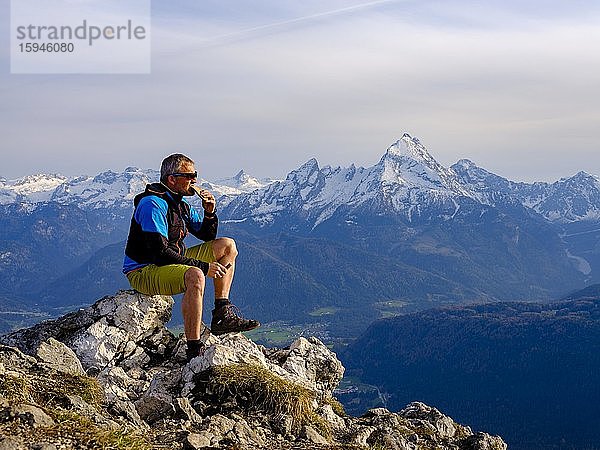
column 157, row 261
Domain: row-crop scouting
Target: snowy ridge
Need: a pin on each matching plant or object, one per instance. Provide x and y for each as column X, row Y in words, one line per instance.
column 106, row 190
column 407, row 179
column 566, row 200
column 406, row 182
column 572, row 199
column 30, row 189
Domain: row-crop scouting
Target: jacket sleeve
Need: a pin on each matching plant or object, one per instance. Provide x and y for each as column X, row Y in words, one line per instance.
column 151, row 214
column 204, row 229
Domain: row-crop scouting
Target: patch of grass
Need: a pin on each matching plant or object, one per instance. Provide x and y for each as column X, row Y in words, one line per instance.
column 53, row 392
column 83, row 432
column 326, row 311
column 390, row 308
column 353, row 382
column 337, row 407
column 14, row 389
column 257, row 388
column 319, row 424
column 378, row 446
column 274, row 335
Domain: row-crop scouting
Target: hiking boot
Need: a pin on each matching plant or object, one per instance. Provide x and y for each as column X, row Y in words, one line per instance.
column 227, row 319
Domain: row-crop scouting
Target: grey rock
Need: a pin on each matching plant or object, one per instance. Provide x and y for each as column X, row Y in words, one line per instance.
column 484, row 441
column 12, row 358
column 100, row 334
column 31, row 415
column 227, row 350
column 136, row 359
column 184, row 409
column 361, row 435
column 217, row 427
column 313, row 435
column 197, row 441
column 310, row 359
column 327, row 413
column 430, row 417
column 43, row 446
column 11, row 443
column 158, row 401
column 58, row 356
column 127, row 411
column 377, row 412
column 118, row 385
column 309, row 363
column 155, row 406
column 246, row 437
column 126, row 317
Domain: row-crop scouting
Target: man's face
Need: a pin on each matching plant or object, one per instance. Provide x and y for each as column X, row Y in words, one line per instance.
column 182, row 181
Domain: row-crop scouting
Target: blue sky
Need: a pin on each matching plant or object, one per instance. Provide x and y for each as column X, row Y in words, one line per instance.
column 266, row 85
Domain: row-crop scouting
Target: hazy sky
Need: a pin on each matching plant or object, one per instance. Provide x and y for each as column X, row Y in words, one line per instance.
column 266, row 85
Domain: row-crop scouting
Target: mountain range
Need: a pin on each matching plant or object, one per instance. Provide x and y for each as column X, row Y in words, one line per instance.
column 341, row 246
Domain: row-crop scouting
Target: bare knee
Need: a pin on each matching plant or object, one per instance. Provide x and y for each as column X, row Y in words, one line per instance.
column 194, row 279
column 224, row 246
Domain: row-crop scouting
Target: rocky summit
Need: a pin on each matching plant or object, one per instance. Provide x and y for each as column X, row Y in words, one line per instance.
column 112, row 376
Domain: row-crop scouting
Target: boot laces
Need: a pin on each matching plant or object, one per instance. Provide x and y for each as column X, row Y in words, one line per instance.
column 232, row 311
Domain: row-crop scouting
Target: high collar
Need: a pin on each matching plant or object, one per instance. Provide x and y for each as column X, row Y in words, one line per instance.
column 173, row 195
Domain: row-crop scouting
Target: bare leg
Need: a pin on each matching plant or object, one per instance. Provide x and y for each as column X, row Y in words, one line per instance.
column 225, row 319
column 191, row 306
column 225, row 251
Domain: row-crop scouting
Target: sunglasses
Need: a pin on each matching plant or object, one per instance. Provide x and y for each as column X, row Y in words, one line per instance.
column 189, row 176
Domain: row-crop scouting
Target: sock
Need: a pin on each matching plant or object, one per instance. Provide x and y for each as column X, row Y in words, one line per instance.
column 219, row 302
column 193, row 346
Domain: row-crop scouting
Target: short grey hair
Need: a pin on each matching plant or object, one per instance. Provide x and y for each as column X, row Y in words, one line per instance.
column 172, row 164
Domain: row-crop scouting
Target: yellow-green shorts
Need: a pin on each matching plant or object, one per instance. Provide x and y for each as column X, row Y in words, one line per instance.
column 169, row 279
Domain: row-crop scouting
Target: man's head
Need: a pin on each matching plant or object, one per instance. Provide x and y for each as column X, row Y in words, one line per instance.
column 178, row 173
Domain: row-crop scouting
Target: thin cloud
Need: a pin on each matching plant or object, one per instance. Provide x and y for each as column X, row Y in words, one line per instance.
column 283, row 24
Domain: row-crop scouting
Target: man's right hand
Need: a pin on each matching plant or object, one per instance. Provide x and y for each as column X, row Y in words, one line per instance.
column 216, row 270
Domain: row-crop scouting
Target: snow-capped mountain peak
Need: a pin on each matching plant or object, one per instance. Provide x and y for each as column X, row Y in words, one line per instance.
column 407, row 162
column 465, row 164
column 242, row 182
column 582, row 176
column 476, row 178
column 306, row 173
column 410, row 147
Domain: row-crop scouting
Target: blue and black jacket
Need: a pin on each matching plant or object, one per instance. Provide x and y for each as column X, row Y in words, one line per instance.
column 160, row 223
